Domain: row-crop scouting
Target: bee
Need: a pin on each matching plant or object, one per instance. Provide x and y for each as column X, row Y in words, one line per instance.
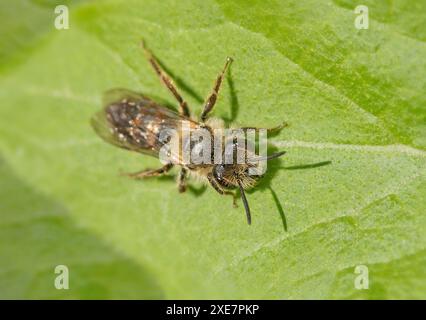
column 135, row 122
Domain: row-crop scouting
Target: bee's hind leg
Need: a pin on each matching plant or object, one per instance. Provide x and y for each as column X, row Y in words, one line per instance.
column 168, row 82
column 215, row 186
column 150, row 172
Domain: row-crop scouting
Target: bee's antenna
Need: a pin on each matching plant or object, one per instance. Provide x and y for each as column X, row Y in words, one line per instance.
column 272, row 156
column 246, row 206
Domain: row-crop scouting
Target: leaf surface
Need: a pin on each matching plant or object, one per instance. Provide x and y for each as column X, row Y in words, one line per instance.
column 352, row 184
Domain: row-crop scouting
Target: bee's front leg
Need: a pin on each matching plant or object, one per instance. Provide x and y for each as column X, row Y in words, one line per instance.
column 219, row 190
column 182, row 180
column 269, row 130
column 150, row 172
column 211, row 99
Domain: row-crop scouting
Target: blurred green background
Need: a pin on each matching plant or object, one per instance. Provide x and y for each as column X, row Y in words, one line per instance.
column 355, row 98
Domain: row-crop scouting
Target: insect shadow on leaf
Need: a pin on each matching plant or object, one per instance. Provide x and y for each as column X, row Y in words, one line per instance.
column 308, row 166
column 194, row 190
column 136, row 122
column 273, row 168
column 181, row 83
column 265, row 183
column 233, row 99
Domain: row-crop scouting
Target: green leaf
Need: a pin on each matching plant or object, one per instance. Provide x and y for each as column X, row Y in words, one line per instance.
column 351, row 186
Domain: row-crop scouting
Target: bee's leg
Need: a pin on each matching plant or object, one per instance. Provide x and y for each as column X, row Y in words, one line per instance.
column 211, row 100
column 150, row 172
column 217, row 187
column 269, row 130
column 183, row 105
column 182, row 180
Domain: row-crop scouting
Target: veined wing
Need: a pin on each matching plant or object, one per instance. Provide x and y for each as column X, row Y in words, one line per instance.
column 134, row 122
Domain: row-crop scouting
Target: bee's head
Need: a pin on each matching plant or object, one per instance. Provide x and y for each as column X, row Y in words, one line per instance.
column 241, row 175
column 228, row 175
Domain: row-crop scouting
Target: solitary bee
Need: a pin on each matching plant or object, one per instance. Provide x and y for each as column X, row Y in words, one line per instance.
column 135, row 122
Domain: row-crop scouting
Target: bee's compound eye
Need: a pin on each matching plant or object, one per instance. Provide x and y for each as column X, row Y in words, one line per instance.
column 218, row 171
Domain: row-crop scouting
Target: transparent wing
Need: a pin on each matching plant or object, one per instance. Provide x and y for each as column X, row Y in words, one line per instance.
column 112, row 122
column 106, row 131
column 118, row 94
